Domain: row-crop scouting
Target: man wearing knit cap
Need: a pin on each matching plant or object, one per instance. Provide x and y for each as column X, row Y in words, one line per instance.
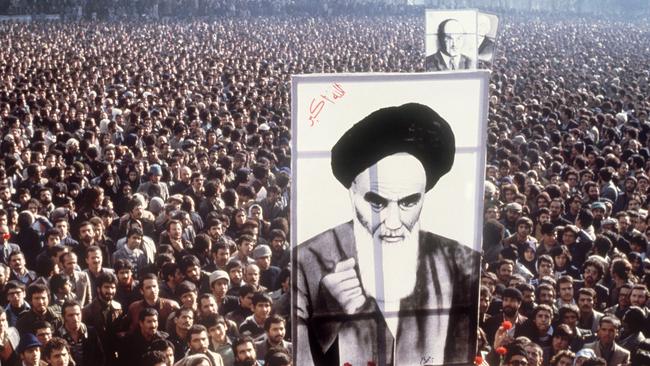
column 348, row 308
column 29, row 350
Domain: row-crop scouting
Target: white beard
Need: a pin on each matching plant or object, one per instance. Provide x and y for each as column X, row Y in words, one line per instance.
column 393, row 279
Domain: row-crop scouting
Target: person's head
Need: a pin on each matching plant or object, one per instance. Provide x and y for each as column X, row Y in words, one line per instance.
column 134, row 238
column 235, row 272
column 252, row 274
column 592, row 271
column 17, row 261
column 69, row 262
column 262, row 306
column 274, row 326
column 166, row 348
column 278, row 356
column 184, row 319
column 37, row 295
column 451, row 37
column 15, row 293
column 124, row 271
column 563, row 358
column 106, row 286
column 154, row 358
column 217, row 328
column 29, row 350
column 198, row 338
column 71, row 312
column 219, row 282
column 512, row 299
column 57, row 352
column 516, row 355
column 565, row 288
column 262, row 255
column 384, row 201
column 505, row 268
column 245, row 244
column 624, row 295
column 607, row 329
column 638, row 295
column 94, row 258
column 207, row 304
column 546, row 294
column 542, row 316
column 148, row 322
column 244, row 349
column 586, row 299
column 86, row 233
column 545, row 266
column 569, row 315
column 187, row 293
column 220, row 254
column 534, row 353
column 175, row 229
column 246, row 294
column 149, row 288
column 562, row 337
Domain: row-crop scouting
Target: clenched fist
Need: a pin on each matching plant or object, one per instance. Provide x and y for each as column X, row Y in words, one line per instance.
column 344, row 285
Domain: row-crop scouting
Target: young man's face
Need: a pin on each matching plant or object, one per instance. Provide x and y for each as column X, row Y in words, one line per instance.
column 276, row 333
column 16, row 297
column 39, row 302
column 566, row 291
column 150, row 290
column 149, row 326
column 72, row 317
column 59, row 357
column 262, row 310
column 31, row 357
column 199, row 342
column 124, row 276
column 218, row 333
column 585, row 303
column 235, row 275
column 134, row 241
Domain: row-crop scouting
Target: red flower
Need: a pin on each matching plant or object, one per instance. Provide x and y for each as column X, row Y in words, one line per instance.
column 478, row 360
column 502, row 351
column 6, row 236
column 347, row 364
column 507, row 325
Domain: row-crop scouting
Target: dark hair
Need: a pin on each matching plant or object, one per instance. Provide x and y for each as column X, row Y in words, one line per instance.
column 152, row 358
column 273, row 319
column 147, row 312
column 53, row 344
column 69, row 304
column 212, row 320
column 36, row 288
column 241, row 340
column 105, row 277
column 261, row 297
column 246, row 289
column 196, row 329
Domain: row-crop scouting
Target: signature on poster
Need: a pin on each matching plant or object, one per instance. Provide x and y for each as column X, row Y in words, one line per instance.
column 318, row 103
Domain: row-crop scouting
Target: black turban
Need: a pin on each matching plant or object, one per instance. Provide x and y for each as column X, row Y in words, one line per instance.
column 410, row 128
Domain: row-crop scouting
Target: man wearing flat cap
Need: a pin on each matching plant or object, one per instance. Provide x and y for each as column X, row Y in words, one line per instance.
column 378, row 288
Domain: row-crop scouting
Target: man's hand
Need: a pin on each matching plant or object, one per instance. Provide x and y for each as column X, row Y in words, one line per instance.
column 344, row 285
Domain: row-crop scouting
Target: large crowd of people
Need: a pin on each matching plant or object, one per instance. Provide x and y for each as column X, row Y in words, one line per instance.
column 145, row 183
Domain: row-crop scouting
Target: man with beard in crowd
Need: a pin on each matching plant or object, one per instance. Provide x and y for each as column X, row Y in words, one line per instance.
column 244, row 349
column 105, row 315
